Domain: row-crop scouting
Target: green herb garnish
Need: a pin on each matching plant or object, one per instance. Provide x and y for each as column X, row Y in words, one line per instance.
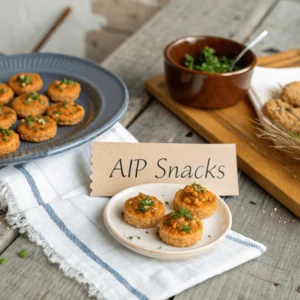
column 24, row 79
column 2, row 91
column 5, row 139
column 209, row 236
column 5, row 131
column 130, row 238
column 185, row 228
column 3, row 261
column 138, row 237
column 207, row 61
column 29, row 120
column 57, row 112
column 167, row 202
column 168, row 222
column 67, row 81
column 145, row 204
column 23, row 253
column 198, row 187
column 182, row 212
column 64, row 105
column 147, row 232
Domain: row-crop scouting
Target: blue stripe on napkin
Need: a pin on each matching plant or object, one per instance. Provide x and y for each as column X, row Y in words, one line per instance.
column 74, row 238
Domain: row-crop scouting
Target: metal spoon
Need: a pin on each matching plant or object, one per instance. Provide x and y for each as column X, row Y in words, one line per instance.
column 254, row 42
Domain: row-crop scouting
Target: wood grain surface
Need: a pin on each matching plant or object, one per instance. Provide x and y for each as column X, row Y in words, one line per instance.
column 275, row 275
column 270, row 168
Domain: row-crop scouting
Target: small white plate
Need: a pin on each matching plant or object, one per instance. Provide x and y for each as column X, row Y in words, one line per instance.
column 146, row 241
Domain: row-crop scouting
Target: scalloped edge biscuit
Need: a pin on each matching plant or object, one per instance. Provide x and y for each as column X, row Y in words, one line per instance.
column 34, row 108
column 8, row 121
column 35, row 86
column 6, row 96
column 13, row 143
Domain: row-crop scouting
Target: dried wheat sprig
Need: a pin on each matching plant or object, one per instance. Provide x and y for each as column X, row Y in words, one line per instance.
column 284, row 140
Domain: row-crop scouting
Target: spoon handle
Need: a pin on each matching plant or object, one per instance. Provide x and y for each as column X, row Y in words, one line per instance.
column 249, row 46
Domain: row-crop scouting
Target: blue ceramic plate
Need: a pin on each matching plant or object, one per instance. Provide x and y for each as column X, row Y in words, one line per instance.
column 103, row 95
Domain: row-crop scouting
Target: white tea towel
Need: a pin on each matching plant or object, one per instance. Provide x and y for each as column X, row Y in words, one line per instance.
column 48, row 198
column 267, row 83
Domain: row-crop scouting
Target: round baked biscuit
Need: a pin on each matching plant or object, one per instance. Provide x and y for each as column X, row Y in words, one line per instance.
column 32, row 104
column 8, row 117
column 180, row 229
column 283, row 114
column 291, row 93
column 197, row 199
column 25, row 83
column 66, row 114
column 6, row 93
column 65, row 90
column 37, row 129
column 143, row 211
column 9, row 141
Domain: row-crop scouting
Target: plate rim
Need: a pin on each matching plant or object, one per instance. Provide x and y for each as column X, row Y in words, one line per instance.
column 78, row 142
column 130, row 244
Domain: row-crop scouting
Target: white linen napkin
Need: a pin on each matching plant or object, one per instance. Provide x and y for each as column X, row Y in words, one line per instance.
column 48, row 199
column 266, row 84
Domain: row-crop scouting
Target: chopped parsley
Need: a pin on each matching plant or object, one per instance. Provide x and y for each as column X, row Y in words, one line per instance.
column 64, row 105
column 57, row 112
column 198, row 187
column 2, row 91
column 185, row 228
column 29, row 120
column 5, row 139
column 23, row 253
column 67, row 81
column 167, row 202
column 3, row 261
column 209, row 236
column 182, row 212
column 207, row 61
column 145, row 204
column 138, row 237
column 147, row 232
column 130, row 238
column 159, row 247
column 168, row 222
column 24, row 79
column 5, row 131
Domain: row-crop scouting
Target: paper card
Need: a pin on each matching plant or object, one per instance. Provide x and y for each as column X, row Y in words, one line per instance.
column 117, row 166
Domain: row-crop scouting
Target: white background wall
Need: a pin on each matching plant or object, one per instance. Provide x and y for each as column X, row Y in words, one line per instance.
column 24, row 22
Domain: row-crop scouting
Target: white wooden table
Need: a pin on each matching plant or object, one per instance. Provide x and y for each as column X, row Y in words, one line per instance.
column 276, row 275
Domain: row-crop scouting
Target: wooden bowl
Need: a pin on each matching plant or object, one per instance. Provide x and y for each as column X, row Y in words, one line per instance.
column 202, row 89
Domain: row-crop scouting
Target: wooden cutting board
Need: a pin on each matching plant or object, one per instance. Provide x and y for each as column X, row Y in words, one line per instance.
column 275, row 172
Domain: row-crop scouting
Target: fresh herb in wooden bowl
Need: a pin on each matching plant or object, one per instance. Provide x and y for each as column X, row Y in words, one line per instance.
column 208, row 62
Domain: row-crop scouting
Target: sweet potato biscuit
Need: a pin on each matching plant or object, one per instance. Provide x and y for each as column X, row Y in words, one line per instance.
column 180, row 228
column 291, row 93
column 32, row 104
column 8, row 117
column 65, row 90
column 66, row 113
column 9, row 141
column 25, row 83
column 283, row 114
column 6, row 93
column 197, row 199
column 143, row 211
column 37, row 129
